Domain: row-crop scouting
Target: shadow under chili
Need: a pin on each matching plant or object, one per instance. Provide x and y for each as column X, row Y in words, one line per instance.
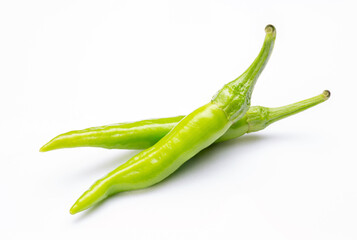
column 204, row 157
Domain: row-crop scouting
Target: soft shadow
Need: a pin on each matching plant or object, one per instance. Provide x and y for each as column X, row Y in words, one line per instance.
column 212, row 153
column 204, row 157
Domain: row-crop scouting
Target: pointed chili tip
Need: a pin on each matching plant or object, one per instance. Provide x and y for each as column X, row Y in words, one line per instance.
column 270, row 29
column 327, row 94
column 74, row 209
column 47, row 147
column 43, row 149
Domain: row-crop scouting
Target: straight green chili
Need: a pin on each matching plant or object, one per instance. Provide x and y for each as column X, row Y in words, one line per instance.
column 145, row 133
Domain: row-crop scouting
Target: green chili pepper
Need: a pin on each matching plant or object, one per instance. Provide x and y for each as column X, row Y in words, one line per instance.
column 193, row 133
column 144, row 134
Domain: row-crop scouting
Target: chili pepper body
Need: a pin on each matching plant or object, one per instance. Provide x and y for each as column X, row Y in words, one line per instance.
column 134, row 135
column 144, row 134
column 193, row 133
column 156, row 163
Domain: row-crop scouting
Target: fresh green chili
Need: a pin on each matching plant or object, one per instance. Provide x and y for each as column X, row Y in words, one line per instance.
column 144, row 134
column 193, row 133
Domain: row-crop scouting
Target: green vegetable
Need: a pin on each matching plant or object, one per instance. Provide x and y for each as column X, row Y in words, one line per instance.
column 144, row 134
column 193, row 133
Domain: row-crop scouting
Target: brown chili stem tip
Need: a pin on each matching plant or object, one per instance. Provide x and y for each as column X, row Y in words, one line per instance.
column 327, row 94
column 269, row 28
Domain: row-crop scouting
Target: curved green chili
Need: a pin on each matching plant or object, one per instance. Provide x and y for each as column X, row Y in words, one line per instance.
column 193, row 133
column 144, row 134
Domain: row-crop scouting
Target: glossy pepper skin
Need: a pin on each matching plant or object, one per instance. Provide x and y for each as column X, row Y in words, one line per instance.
column 144, row 134
column 193, row 133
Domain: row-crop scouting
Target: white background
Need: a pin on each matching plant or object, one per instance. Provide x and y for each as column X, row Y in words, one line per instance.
column 68, row 65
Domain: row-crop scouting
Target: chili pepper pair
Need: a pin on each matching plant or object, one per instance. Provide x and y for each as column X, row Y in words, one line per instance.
column 170, row 142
